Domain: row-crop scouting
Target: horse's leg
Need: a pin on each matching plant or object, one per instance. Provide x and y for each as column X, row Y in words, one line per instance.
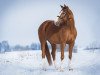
column 70, row 55
column 62, row 55
column 53, row 53
column 43, row 50
column 43, row 55
column 48, row 54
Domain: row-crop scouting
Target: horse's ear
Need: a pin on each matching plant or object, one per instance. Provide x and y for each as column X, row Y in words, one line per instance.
column 61, row 6
column 66, row 6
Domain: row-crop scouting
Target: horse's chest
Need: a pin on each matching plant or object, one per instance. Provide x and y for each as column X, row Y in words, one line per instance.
column 65, row 35
column 62, row 34
column 62, row 31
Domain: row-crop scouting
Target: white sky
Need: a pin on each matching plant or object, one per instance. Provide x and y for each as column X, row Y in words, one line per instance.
column 20, row 19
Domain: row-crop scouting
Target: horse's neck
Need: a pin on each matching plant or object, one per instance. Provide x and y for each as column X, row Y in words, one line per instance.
column 71, row 26
column 71, row 23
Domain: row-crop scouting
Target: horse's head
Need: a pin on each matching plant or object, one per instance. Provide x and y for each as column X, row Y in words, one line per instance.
column 65, row 16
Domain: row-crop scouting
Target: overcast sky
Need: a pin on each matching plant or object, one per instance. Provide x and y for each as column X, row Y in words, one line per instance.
column 20, row 19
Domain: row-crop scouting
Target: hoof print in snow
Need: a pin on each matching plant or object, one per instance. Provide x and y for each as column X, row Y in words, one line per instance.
column 61, row 70
column 44, row 70
column 70, row 69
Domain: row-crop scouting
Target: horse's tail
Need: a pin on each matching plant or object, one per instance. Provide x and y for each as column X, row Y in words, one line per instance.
column 48, row 55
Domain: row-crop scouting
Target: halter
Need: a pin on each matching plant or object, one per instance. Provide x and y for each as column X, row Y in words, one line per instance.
column 65, row 14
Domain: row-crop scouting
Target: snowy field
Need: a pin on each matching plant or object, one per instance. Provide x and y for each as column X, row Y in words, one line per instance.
column 30, row 63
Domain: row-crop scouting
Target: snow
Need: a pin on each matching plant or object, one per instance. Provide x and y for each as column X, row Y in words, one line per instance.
column 30, row 63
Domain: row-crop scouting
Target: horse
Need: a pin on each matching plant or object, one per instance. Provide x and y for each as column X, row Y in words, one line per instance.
column 61, row 32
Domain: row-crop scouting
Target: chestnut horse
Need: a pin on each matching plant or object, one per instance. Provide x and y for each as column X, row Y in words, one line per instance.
column 61, row 32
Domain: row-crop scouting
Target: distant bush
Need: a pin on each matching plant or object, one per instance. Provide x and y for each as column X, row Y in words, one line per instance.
column 93, row 46
column 4, row 46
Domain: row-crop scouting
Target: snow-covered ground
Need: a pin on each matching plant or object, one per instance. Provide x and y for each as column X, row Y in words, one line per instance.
column 30, row 63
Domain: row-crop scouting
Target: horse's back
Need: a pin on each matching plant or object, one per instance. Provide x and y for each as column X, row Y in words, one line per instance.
column 43, row 27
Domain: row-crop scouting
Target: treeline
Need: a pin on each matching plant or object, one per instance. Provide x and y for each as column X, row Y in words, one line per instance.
column 5, row 47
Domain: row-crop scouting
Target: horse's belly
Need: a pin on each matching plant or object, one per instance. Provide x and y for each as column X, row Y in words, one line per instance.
column 54, row 39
